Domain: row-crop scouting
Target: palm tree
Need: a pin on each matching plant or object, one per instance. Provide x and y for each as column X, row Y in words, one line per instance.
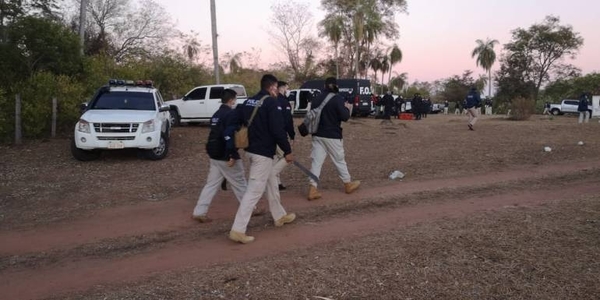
column 375, row 65
column 486, row 57
column 399, row 81
column 384, row 67
column 332, row 28
column 191, row 48
column 235, row 63
column 395, row 57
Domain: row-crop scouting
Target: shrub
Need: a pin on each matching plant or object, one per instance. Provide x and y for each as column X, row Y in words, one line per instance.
column 521, row 109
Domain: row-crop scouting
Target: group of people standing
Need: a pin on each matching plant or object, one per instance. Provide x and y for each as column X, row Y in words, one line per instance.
column 268, row 118
column 387, row 106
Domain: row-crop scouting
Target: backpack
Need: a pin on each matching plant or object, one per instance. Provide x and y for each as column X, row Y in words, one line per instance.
column 310, row 125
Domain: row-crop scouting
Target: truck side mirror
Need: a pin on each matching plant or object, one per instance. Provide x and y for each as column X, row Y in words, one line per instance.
column 83, row 107
column 164, row 107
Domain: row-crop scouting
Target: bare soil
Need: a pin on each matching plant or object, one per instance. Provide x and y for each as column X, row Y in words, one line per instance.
column 119, row 227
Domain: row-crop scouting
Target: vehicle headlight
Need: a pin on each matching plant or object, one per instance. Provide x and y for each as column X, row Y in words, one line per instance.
column 148, row 126
column 83, row 126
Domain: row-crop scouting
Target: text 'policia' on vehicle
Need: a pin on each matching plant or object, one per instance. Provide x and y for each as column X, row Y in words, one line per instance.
column 355, row 91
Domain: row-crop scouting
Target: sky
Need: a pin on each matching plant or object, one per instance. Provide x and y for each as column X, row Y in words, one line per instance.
column 436, row 36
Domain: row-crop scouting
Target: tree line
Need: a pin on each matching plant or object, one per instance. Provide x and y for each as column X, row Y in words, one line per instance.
column 41, row 55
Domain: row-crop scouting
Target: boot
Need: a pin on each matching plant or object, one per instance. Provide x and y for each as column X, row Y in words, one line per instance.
column 351, row 186
column 313, row 193
column 289, row 218
column 240, row 237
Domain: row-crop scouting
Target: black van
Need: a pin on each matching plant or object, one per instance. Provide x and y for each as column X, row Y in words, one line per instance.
column 356, row 91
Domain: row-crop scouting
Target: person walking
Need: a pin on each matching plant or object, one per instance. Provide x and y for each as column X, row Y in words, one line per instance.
column 472, row 102
column 546, row 108
column 328, row 139
column 446, row 107
column 583, row 108
column 388, row 105
column 288, row 120
column 416, row 106
column 224, row 162
column 265, row 132
column 457, row 108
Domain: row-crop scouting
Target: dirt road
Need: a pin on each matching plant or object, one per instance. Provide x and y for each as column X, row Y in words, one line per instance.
column 129, row 243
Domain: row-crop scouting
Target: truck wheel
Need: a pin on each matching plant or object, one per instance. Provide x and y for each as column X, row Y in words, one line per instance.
column 174, row 117
column 83, row 155
column 555, row 112
column 161, row 151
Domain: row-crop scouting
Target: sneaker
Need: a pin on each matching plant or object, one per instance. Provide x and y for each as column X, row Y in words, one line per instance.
column 240, row 237
column 289, row 218
column 281, row 187
column 471, row 127
column 202, row 219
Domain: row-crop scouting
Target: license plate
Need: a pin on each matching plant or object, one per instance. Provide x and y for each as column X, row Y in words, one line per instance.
column 365, row 104
column 116, row 145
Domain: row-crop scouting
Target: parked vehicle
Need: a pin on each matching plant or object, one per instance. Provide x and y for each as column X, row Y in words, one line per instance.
column 566, row 106
column 356, row 91
column 122, row 115
column 300, row 99
column 199, row 104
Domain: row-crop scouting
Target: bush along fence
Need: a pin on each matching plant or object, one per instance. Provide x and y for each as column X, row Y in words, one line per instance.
column 18, row 117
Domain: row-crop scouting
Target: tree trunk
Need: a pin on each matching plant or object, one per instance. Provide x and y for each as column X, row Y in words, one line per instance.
column 490, row 83
column 356, row 71
column 82, row 15
column 337, row 63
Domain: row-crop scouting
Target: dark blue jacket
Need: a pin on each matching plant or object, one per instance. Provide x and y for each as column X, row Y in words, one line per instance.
column 217, row 139
column 473, row 99
column 266, row 130
column 583, row 104
column 287, row 115
column 332, row 115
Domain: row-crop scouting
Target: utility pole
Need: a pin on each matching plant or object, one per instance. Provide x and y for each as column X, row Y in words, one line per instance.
column 213, row 18
column 82, row 13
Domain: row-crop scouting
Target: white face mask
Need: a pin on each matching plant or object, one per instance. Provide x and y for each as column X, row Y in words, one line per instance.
column 287, row 93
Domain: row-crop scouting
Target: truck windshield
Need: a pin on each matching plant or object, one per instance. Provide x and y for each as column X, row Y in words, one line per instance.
column 125, row 100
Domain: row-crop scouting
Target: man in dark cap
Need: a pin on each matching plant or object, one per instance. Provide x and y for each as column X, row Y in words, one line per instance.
column 328, row 139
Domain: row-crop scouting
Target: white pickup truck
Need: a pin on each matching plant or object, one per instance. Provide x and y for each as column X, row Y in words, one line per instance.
column 300, row 99
column 123, row 114
column 567, row 106
column 199, row 104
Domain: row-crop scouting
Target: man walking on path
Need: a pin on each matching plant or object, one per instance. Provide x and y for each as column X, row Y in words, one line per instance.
column 328, row 139
column 288, row 121
column 583, row 109
column 472, row 102
column 262, row 115
column 225, row 163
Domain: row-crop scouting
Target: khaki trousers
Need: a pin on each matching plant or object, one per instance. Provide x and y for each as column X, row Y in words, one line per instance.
column 262, row 179
column 218, row 170
column 335, row 148
column 472, row 113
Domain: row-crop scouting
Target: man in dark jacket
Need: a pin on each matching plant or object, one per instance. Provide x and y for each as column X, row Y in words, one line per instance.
column 225, row 162
column 472, row 102
column 328, row 139
column 398, row 104
column 288, row 120
column 265, row 133
column 583, row 108
column 388, row 104
column 417, row 106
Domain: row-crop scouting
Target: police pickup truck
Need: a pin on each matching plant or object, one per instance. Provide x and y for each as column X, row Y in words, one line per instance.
column 123, row 114
column 355, row 91
column 199, row 104
column 567, row 106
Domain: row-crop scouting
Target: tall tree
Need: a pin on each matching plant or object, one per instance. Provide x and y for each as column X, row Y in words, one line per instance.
column 395, row 55
column 364, row 21
column 291, row 32
column 486, row 57
column 332, row 28
column 536, row 54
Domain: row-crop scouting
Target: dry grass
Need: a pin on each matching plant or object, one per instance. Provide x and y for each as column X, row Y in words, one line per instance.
column 549, row 252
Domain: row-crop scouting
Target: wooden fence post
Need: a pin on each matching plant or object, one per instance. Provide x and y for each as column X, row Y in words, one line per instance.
column 54, row 116
column 18, row 132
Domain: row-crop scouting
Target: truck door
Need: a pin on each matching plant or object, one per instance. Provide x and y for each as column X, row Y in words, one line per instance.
column 193, row 106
